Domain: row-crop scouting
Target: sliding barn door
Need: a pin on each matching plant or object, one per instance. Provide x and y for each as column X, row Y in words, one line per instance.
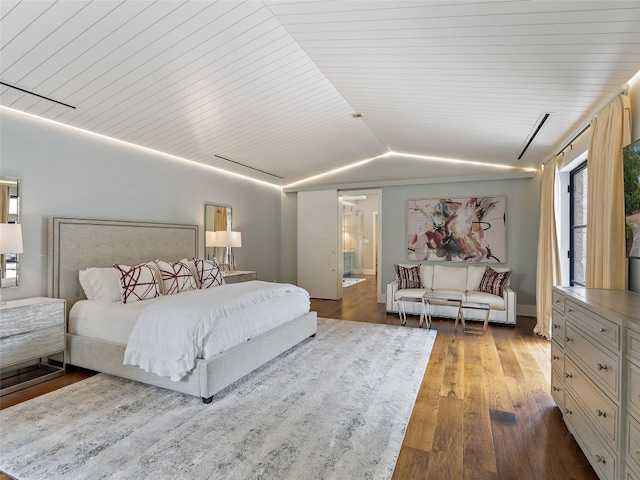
column 320, row 244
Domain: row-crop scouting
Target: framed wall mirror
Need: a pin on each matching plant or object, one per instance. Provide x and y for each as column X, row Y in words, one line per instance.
column 216, row 218
column 9, row 213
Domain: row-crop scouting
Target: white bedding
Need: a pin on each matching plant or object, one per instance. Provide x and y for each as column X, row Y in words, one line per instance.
column 110, row 322
column 171, row 334
column 166, row 335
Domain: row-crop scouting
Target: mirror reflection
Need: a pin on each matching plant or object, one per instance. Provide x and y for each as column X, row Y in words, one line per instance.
column 9, row 199
column 216, row 218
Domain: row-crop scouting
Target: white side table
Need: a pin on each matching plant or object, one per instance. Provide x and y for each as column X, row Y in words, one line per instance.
column 31, row 331
column 237, row 276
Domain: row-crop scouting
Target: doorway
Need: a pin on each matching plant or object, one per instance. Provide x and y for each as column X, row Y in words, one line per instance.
column 359, row 238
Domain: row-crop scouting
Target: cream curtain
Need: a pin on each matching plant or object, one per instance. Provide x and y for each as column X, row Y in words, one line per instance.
column 610, row 132
column 548, row 267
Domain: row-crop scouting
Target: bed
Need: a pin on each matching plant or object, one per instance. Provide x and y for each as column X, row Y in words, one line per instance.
column 78, row 243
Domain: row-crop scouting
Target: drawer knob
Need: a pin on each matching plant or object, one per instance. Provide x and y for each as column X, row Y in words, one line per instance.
column 569, row 310
column 556, row 357
column 556, row 326
column 602, row 414
column 566, row 410
column 568, row 375
column 600, row 459
column 602, row 330
column 569, row 339
column 602, row 367
column 556, row 389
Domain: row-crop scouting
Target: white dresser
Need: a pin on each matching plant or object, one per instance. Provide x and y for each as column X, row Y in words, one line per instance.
column 595, row 353
column 31, row 331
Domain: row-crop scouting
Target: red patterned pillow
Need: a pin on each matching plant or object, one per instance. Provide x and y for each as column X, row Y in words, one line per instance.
column 176, row 277
column 209, row 273
column 408, row 277
column 138, row 282
column 494, row 282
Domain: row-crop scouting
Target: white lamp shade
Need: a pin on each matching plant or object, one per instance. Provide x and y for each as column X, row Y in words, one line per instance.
column 210, row 239
column 10, row 238
column 227, row 238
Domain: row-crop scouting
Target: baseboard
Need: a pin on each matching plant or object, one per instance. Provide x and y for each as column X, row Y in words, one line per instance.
column 526, row 310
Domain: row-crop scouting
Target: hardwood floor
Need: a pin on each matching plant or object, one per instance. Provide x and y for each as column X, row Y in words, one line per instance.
column 483, row 410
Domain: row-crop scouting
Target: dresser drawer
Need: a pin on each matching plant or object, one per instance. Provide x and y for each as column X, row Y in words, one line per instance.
column 602, row 412
column 602, row 330
column 633, row 382
column 602, row 459
column 600, row 364
column 31, row 345
column 557, row 302
column 633, row 344
column 557, row 389
column 557, row 357
column 20, row 317
column 633, row 442
column 558, row 327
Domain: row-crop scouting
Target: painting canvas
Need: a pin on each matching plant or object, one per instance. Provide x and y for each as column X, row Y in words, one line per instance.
column 471, row 229
column 631, row 162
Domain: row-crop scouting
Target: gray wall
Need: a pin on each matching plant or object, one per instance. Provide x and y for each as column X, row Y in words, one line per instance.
column 69, row 173
column 523, row 212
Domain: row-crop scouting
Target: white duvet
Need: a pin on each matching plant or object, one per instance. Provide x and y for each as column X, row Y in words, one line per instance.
column 170, row 334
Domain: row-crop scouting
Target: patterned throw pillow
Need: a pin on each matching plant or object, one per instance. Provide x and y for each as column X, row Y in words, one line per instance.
column 494, row 282
column 408, row 277
column 138, row 282
column 176, row 277
column 208, row 272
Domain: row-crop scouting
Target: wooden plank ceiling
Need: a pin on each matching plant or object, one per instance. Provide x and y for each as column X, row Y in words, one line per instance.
column 273, row 85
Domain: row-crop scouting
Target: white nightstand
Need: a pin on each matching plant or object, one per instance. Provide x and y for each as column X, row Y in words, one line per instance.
column 31, row 331
column 237, row 276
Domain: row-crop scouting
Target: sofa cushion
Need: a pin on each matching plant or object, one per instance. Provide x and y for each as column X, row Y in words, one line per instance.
column 494, row 301
column 449, row 277
column 494, row 281
column 426, row 276
column 408, row 277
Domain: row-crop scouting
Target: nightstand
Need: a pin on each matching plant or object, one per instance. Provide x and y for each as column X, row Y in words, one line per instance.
column 237, row 276
column 31, row 331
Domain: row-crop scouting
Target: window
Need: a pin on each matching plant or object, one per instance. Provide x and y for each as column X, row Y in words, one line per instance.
column 578, row 224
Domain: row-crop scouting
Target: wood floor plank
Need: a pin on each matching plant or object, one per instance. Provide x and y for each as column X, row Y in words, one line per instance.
column 510, row 451
column 445, row 459
column 453, row 380
column 412, row 463
column 421, row 427
column 478, row 451
column 496, row 391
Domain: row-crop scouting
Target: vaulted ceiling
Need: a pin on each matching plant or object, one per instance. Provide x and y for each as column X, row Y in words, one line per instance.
column 270, row 89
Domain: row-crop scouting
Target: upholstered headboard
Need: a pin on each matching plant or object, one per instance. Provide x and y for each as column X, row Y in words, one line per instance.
column 79, row 243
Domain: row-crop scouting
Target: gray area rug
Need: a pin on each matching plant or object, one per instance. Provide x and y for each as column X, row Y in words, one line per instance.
column 334, row 407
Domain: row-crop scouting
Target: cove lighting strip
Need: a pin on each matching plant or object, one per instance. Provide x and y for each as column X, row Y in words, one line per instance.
column 139, row 147
column 407, row 155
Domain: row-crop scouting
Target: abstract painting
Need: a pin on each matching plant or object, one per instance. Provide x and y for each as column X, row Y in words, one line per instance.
column 471, row 229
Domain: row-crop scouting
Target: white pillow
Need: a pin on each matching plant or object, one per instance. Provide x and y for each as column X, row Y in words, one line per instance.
column 101, row 285
column 176, row 277
column 138, row 282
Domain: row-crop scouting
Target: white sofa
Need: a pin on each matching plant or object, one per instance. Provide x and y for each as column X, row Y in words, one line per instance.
column 457, row 281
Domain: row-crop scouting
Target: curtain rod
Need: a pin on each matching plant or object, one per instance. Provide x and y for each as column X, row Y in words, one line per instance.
column 623, row 90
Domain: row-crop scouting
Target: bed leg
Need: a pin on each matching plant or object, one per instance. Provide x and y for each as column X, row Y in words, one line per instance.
column 313, row 336
column 207, row 400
